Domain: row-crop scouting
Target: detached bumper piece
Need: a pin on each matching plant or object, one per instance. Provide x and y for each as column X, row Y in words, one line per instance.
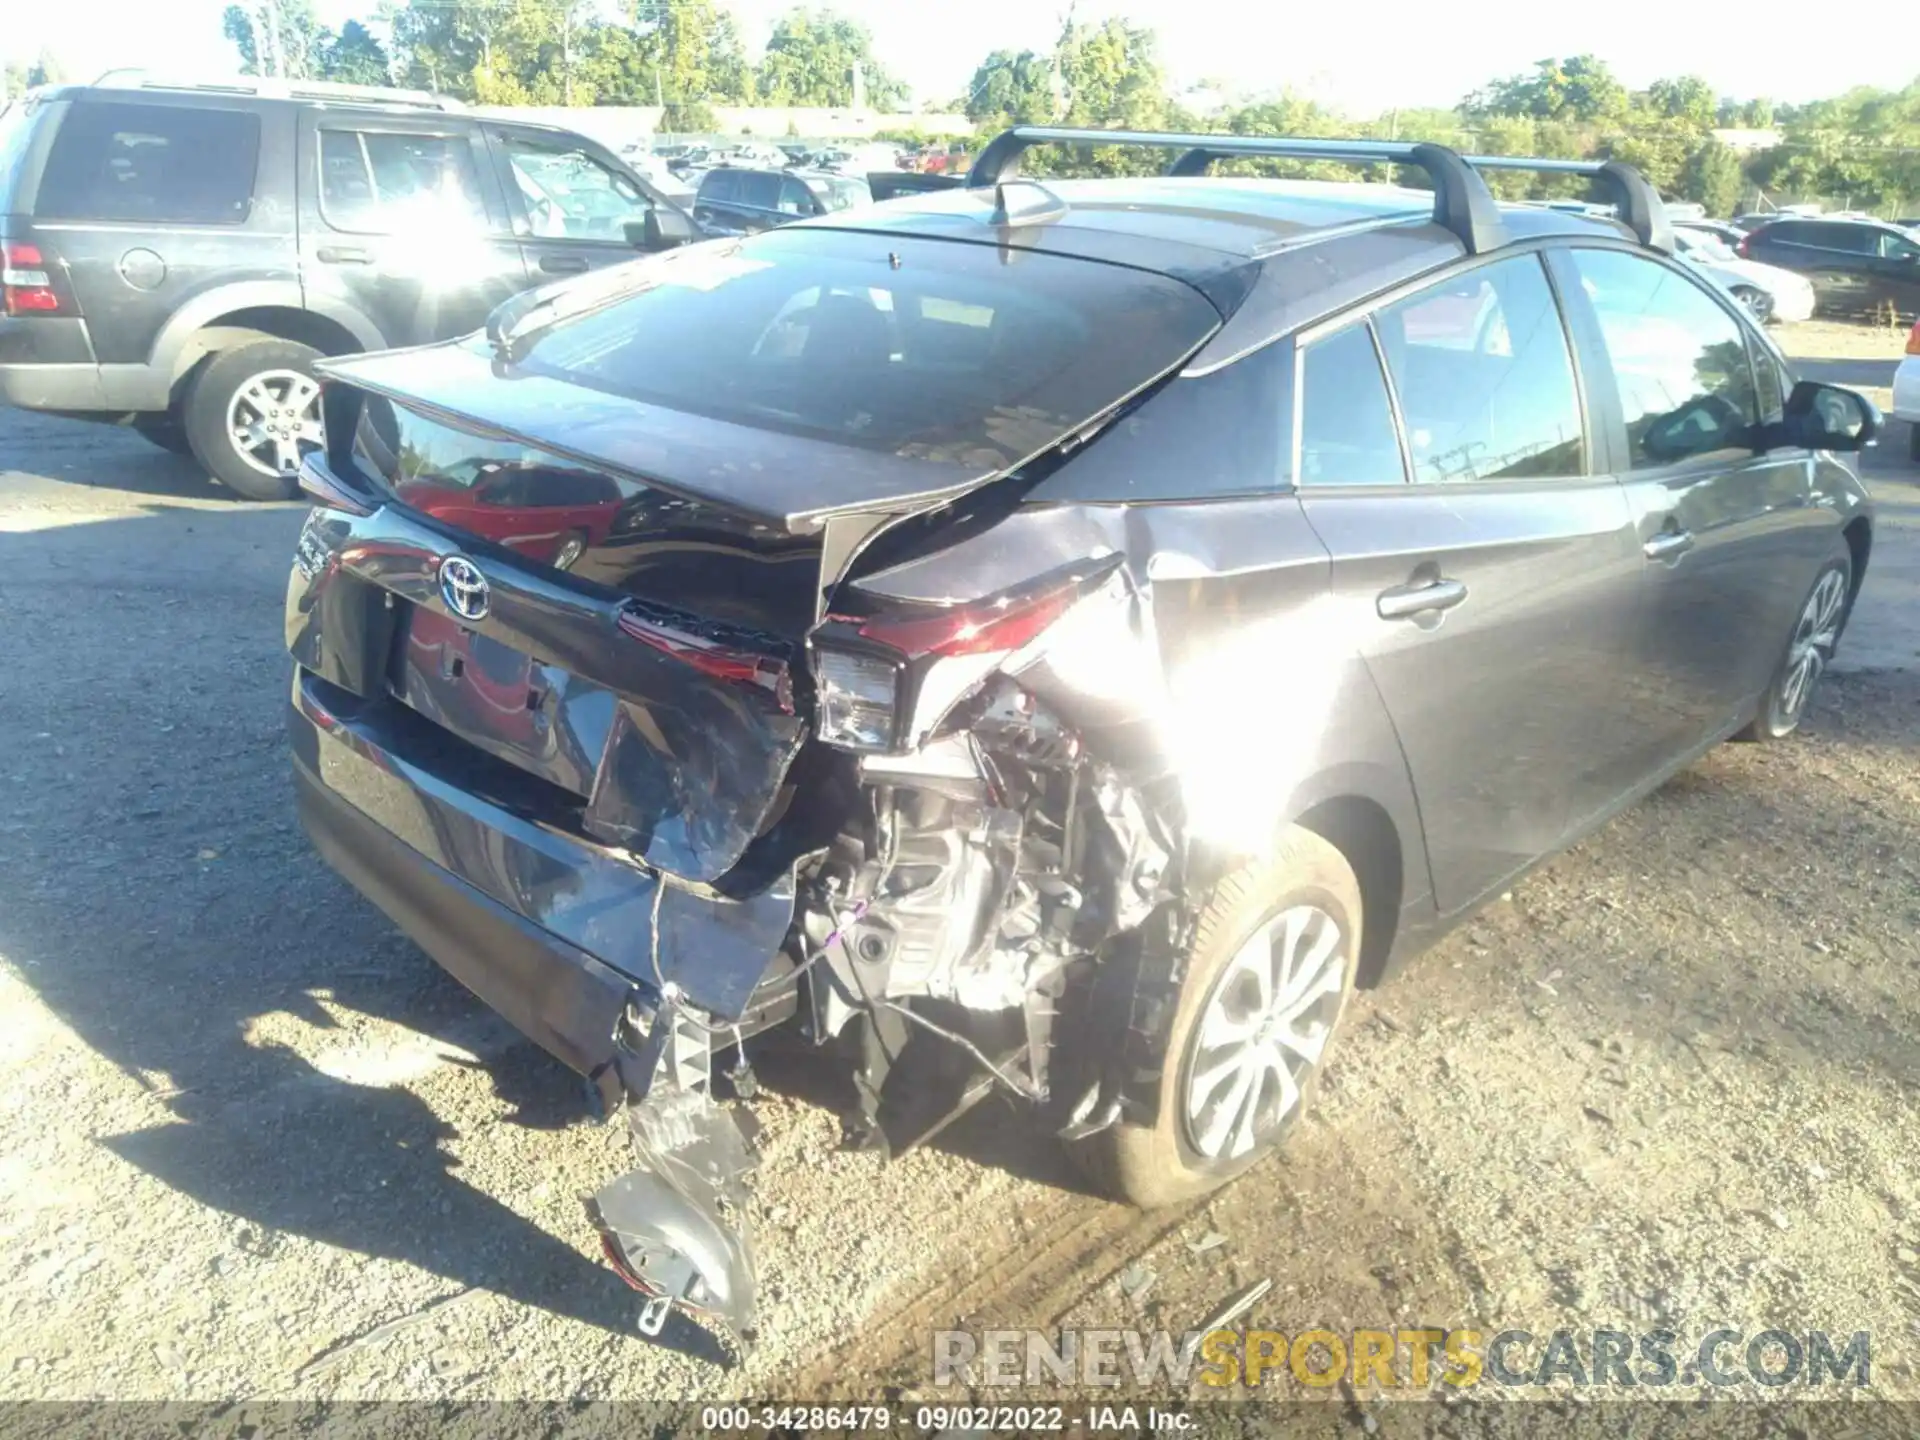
column 674, row 1228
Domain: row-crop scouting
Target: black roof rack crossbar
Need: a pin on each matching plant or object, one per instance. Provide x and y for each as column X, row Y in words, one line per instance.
column 1638, row 202
column 1461, row 200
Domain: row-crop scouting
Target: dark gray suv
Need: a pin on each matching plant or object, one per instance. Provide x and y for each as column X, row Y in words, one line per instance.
column 1057, row 638
column 179, row 257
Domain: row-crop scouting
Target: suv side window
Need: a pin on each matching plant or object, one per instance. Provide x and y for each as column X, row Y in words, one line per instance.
column 570, row 195
column 1347, row 435
column 1678, row 357
column 759, row 189
column 717, row 187
column 1485, row 379
column 795, row 198
column 1896, row 247
column 1855, row 239
column 161, row 164
column 389, row 182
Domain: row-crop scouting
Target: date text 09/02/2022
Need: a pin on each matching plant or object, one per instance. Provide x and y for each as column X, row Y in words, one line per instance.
column 937, row 1419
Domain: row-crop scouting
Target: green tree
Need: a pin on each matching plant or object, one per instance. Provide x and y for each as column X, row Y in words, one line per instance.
column 276, row 37
column 811, row 59
column 355, row 57
column 1580, row 89
column 1011, row 89
column 1688, row 98
column 1712, row 176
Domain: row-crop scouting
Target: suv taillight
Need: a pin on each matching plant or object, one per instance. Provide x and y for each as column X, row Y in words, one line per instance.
column 26, row 286
column 1742, row 250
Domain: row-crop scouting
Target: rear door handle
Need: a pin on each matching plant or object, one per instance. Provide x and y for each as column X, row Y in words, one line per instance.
column 1403, row 602
column 563, row 264
column 338, row 255
column 1668, row 545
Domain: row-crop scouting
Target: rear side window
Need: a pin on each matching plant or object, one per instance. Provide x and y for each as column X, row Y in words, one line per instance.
column 759, row 189
column 1346, row 423
column 921, row 348
column 1485, row 379
column 1679, row 359
column 718, row 187
column 394, row 182
column 1855, row 239
column 163, row 164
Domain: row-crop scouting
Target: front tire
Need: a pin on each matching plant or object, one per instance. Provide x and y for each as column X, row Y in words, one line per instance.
column 253, row 414
column 1269, row 976
column 1810, row 648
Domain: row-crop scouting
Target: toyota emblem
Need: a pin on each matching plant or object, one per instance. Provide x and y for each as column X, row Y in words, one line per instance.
column 464, row 588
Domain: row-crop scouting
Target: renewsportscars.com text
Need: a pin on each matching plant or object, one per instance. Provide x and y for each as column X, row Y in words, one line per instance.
column 1404, row 1358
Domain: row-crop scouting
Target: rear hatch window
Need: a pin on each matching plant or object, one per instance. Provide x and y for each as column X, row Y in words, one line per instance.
column 162, row 164
column 924, row 349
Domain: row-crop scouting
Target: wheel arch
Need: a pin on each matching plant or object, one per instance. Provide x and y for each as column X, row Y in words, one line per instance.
column 240, row 314
column 1858, row 533
column 1359, row 827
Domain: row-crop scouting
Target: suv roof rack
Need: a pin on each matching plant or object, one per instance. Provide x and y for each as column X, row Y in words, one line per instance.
column 277, row 88
column 1461, row 200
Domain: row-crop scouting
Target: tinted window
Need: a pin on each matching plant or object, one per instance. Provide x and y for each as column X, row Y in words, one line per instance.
column 569, row 195
column 391, row 182
column 917, row 347
column 1855, row 238
column 1485, row 381
column 1897, row 247
column 167, row 164
column 794, row 199
column 1680, row 360
column 759, row 189
column 1346, row 425
column 717, row 187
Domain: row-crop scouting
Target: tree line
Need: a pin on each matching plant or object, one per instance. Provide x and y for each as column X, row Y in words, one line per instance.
column 1861, row 148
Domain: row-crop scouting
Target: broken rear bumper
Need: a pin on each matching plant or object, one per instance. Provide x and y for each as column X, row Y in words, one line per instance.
column 550, row 930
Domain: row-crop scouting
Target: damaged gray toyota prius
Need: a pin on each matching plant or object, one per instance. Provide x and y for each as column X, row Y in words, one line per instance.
column 1049, row 638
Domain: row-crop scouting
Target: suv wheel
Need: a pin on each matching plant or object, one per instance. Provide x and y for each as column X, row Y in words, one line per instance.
column 1268, row 980
column 1816, row 634
column 1759, row 304
column 253, row 414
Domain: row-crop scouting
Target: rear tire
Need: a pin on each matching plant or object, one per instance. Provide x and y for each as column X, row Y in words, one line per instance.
column 1298, row 897
column 1809, row 649
column 264, row 393
column 1758, row 303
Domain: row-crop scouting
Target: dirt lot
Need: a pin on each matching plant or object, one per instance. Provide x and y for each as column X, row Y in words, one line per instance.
column 246, row 1125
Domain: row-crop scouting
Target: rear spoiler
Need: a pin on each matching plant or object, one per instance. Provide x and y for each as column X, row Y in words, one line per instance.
column 761, row 475
column 1461, row 201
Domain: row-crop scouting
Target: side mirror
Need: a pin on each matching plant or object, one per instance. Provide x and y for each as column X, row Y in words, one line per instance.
column 1830, row 417
column 664, row 228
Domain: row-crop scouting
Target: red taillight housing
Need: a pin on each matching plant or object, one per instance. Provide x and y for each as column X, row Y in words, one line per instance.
column 26, row 284
column 882, row 682
column 1913, row 340
column 711, row 658
column 1743, row 249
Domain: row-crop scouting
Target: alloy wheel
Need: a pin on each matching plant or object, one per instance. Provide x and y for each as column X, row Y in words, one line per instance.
column 1814, row 638
column 274, row 420
column 1759, row 304
column 1264, row 1029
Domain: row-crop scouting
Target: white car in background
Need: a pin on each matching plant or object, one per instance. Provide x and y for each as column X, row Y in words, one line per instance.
column 1906, row 392
column 1767, row 291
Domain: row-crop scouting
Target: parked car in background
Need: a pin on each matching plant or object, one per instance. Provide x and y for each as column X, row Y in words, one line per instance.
column 973, row 672
column 1858, row 267
column 1906, row 392
column 1768, row 292
column 733, row 200
column 1725, row 231
column 178, row 257
column 659, row 175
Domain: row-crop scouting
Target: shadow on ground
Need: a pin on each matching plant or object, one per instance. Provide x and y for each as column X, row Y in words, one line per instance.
column 178, row 904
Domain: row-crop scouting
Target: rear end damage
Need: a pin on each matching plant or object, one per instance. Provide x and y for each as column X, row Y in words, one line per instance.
column 697, row 781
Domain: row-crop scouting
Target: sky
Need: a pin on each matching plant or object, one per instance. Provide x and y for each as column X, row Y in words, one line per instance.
column 1404, row 53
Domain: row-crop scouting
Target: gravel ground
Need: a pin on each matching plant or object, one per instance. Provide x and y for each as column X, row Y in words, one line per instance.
column 254, row 1144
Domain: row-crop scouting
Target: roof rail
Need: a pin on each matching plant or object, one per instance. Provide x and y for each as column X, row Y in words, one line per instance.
column 278, row 88
column 1638, row 202
column 1461, row 200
